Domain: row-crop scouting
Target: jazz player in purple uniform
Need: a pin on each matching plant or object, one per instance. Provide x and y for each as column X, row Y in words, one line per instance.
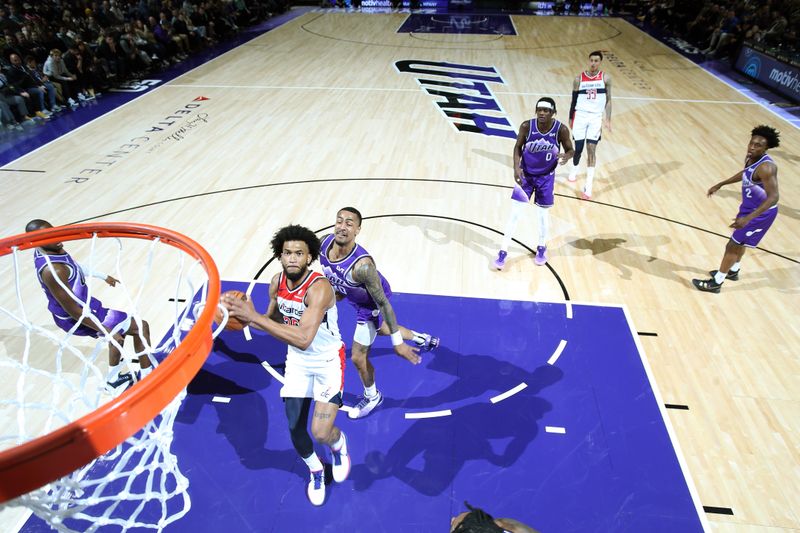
column 352, row 272
column 758, row 209
column 53, row 261
column 536, row 155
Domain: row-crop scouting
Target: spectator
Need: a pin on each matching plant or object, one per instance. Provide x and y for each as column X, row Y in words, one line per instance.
column 41, row 78
column 9, row 101
column 113, row 59
column 27, row 87
column 80, row 61
column 724, row 34
column 138, row 60
column 56, row 69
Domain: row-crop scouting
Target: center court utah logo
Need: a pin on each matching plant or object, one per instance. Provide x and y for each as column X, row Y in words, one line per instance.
column 463, row 95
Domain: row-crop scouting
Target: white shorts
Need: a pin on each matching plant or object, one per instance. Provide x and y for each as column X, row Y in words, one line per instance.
column 321, row 380
column 366, row 332
column 587, row 126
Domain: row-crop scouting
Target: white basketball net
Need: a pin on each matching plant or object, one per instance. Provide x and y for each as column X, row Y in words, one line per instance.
column 60, row 377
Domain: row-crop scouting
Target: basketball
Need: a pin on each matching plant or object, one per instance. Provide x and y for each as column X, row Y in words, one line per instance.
column 233, row 324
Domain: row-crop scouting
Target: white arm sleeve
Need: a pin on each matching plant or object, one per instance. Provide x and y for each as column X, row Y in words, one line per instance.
column 92, row 273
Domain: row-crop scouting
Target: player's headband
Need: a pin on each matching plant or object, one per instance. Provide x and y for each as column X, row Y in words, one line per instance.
column 544, row 104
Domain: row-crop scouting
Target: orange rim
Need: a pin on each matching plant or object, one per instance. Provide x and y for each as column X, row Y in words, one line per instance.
column 49, row 457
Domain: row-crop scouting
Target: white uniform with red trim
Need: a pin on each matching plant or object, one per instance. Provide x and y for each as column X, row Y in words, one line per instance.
column 318, row 371
column 590, row 106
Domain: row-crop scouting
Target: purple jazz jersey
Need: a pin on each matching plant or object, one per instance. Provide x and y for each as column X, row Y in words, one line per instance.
column 753, row 195
column 538, row 162
column 340, row 274
column 110, row 318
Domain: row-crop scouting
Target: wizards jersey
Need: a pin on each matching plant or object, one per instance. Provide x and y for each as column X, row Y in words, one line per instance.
column 291, row 305
column 591, row 93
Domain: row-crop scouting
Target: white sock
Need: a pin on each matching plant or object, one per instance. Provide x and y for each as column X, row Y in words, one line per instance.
column 589, row 178
column 735, row 267
column 113, row 371
column 573, row 173
column 313, row 462
column 719, row 277
column 145, row 371
column 544, row 224
column 513, row 217
column 371, row 391
column 339, row 445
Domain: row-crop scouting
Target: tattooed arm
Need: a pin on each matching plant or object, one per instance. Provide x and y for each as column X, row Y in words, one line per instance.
column 364, row 271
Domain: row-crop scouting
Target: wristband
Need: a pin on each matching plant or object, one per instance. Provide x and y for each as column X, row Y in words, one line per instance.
column 397, row 338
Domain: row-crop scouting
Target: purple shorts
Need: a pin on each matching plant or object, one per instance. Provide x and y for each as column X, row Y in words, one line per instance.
column 370, row 313
column 110, row 318
column 538, row 187
column 751, row 234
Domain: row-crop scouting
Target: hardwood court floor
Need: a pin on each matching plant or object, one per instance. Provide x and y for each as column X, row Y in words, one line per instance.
column 314, row 115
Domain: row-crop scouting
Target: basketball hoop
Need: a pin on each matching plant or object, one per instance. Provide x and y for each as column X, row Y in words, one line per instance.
column 144, row 412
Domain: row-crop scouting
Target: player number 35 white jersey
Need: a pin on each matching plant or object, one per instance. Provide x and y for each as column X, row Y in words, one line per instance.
column 591, row 93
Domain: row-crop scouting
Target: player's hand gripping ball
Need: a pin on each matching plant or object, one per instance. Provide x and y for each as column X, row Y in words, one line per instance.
column 233, row 323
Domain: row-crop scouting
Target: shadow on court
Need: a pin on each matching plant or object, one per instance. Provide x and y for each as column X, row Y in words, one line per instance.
column 429, row 455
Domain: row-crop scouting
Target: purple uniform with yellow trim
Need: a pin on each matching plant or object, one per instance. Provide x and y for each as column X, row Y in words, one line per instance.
column 340, row 274
column 753, row 195
column 76, row 283
column 539, row 160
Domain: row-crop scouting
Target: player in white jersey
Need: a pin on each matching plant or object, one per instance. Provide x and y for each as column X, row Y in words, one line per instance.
column 591, row 101
column 302, row 313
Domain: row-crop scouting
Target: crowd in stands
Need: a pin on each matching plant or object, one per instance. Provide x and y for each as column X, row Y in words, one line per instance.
column 719, row 29
column 58, row 54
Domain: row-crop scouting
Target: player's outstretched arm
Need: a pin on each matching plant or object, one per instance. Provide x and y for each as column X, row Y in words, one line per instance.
column 733, row 179
column 365, row 272
column 88, row 272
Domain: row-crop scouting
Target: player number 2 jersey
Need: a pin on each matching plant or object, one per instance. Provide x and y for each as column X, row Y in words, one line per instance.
column 291, row 305
column 591, row 93
column 753, row 193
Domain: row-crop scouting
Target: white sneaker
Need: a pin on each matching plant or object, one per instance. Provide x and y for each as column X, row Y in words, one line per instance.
column 316, row 488
column 365, row 406
column 340, row 462
column 81, row 97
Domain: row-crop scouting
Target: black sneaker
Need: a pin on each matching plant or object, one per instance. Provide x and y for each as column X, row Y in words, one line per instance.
column 733, row 276
column 121, row 384
column 707, row 285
